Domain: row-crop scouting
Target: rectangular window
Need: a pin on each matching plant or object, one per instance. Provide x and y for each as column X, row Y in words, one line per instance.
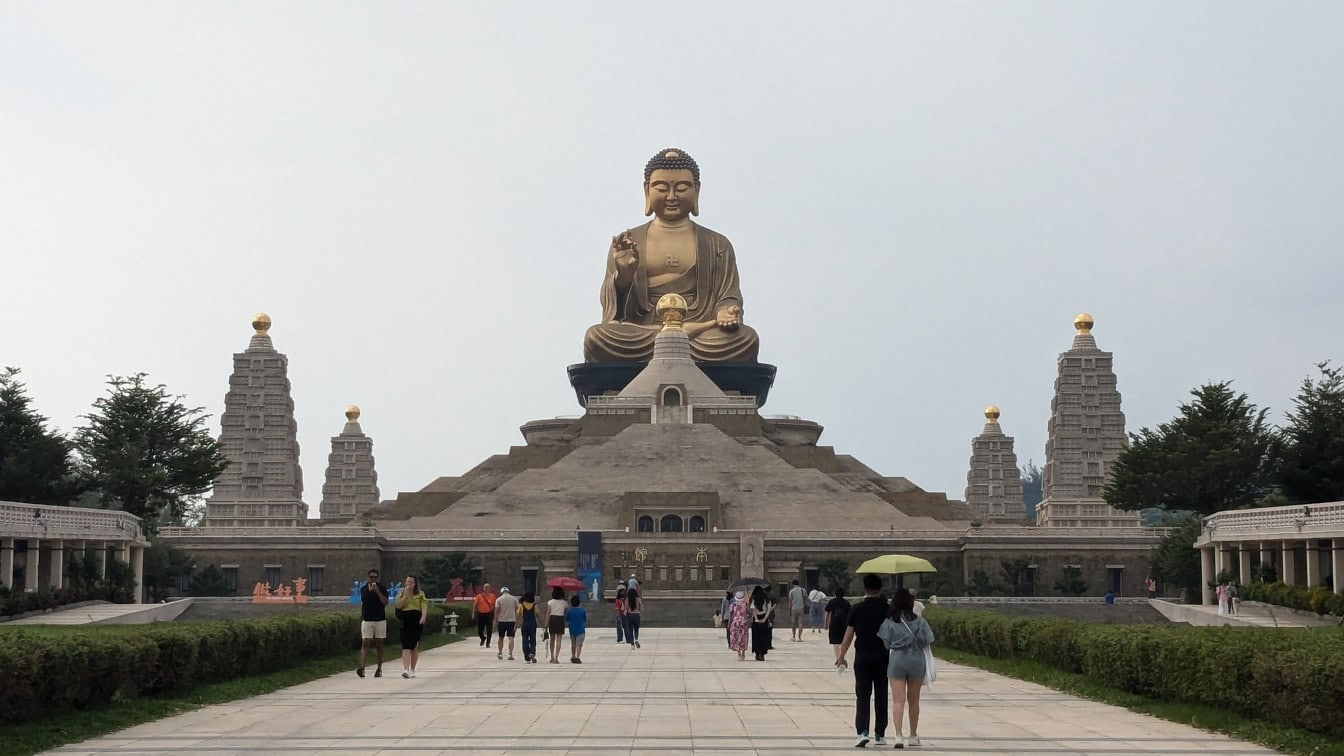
column 273, row 576
column 695, row 574
column 230, row 579
column 616, row 573
column 314, row 587
column 724, row 574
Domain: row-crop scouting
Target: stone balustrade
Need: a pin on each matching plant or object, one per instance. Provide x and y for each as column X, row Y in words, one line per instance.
column 1269, row 522
column 42, row 521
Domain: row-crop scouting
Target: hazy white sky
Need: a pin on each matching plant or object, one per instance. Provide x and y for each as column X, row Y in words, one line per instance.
column 421, row 195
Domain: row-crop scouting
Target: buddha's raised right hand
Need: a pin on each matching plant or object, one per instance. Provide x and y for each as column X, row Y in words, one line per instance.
column 625, row 253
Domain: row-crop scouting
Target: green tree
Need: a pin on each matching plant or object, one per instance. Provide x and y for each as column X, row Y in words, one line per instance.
column 209, row 582
column 1071, row 582
column 145, row 452
column 436, row 573
column 835, row 572
column 981, row 585
column 35, row 464
column 1175, row 560
column 1216, row 454
column 1032, row 492
column 1311, row 466
column 167, row 569
column 1017, row 576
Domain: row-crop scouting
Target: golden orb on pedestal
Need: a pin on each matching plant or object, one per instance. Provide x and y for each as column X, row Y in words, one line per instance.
column 1083, row 323
column 352, row 413
column 671, row 310
column 261, row 323
column 992, row 413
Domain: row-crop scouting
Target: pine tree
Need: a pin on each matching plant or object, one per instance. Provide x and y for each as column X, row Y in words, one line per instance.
column 146, row 453
column 35, row 463
column 1217, row 454
column 1311, row 467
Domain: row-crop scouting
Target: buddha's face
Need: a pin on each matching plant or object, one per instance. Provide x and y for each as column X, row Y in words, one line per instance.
column 671, row 194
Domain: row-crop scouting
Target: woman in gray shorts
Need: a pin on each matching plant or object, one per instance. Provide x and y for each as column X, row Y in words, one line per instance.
column 905, row 635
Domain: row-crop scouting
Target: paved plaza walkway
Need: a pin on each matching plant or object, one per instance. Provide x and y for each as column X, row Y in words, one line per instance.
column 682, row 693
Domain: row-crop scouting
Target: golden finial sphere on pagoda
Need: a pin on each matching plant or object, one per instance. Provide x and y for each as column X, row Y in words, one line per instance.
column 992, row 413
column 1083, row 323
column 352, row 413
column 671, row 310
column 261, row 323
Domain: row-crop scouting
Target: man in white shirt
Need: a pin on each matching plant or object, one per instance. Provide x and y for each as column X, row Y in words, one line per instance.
column 816, row 601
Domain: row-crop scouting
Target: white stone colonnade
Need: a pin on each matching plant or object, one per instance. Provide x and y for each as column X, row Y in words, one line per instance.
column 43, row 539
column 1302, row 544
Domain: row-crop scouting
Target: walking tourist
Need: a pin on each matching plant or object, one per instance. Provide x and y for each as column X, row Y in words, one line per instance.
column 1233, row 598
column 576, row 617
column 907, row 638
column 797, row 610
column 632, row 583
column 760, row 623
column 1221, row 593
column 1151, row 586
column 738, row 620
column 870, row 661
column 527, row 616
column 555, row 623
column 373, row 621
column 619, row 605
column 816, row 606
column 634, row 609
column 837, row 619
column 483, row 610
column 506, row 619
column 412, row 611
column 770, row 618
column 919, row 605
column 725, row 606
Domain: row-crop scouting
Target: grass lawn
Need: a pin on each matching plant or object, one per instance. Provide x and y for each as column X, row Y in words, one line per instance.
column 74, row 726
column 1280, row 737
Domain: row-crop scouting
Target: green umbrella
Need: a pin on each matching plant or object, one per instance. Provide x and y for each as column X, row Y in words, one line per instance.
column 895, row 564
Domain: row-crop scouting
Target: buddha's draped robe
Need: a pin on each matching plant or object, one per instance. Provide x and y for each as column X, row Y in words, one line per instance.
column 630, row 322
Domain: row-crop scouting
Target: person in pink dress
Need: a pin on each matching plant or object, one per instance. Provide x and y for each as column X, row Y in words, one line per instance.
column 739, row 625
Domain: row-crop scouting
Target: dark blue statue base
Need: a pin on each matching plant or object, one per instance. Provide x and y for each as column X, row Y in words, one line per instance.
column 745, row 378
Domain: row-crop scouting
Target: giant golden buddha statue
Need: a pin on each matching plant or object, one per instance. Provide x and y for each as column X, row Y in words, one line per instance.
column 671, row 255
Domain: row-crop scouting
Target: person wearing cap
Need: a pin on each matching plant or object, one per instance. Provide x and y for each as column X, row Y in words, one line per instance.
column 738, row 620
column 632, row 583
column 506, row 618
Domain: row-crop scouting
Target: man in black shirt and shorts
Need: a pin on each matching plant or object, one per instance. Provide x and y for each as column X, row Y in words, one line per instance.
column 373, row 627
column 870, row 660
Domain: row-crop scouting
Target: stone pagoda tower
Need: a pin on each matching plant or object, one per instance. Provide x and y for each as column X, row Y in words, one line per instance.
column 263, row 484
column 993, row 483
column 1085, row 435
column 351, row 486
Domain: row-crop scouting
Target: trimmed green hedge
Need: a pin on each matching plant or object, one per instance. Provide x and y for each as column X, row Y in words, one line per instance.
column 1294, row 676
column 1319, row 599
column 46, row 670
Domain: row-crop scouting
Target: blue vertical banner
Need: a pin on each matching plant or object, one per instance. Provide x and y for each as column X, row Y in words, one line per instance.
column 590, row 563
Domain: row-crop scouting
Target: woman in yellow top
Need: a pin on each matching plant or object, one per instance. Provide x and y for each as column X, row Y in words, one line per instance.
column 413, row 610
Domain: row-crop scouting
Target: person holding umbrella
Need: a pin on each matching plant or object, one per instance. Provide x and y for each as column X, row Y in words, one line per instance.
column 760, row 623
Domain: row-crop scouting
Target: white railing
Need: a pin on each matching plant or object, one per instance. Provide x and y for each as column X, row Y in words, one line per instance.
column 43, row 521
column 1299, row 519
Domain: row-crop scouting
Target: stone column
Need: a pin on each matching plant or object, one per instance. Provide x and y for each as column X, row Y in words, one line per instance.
column 1266, row 554
column 138, row 565
column 33, row 563
column 1313, row 563
column 102, row 559
column 7, row 562
column 1244, row 564
column 1289, row 572
column 1206, row 574
column 1220, row 560
column 1337, row 563
column 57, row 564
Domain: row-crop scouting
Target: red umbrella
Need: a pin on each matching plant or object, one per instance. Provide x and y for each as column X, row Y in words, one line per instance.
column 565, row 584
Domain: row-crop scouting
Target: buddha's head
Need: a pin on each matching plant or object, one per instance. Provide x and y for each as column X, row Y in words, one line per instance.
column 671, row 185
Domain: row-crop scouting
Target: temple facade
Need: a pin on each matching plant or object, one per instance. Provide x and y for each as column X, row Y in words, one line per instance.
column 351, row 486
column 993, row 482
column 263, row 484
column 1085, row 434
